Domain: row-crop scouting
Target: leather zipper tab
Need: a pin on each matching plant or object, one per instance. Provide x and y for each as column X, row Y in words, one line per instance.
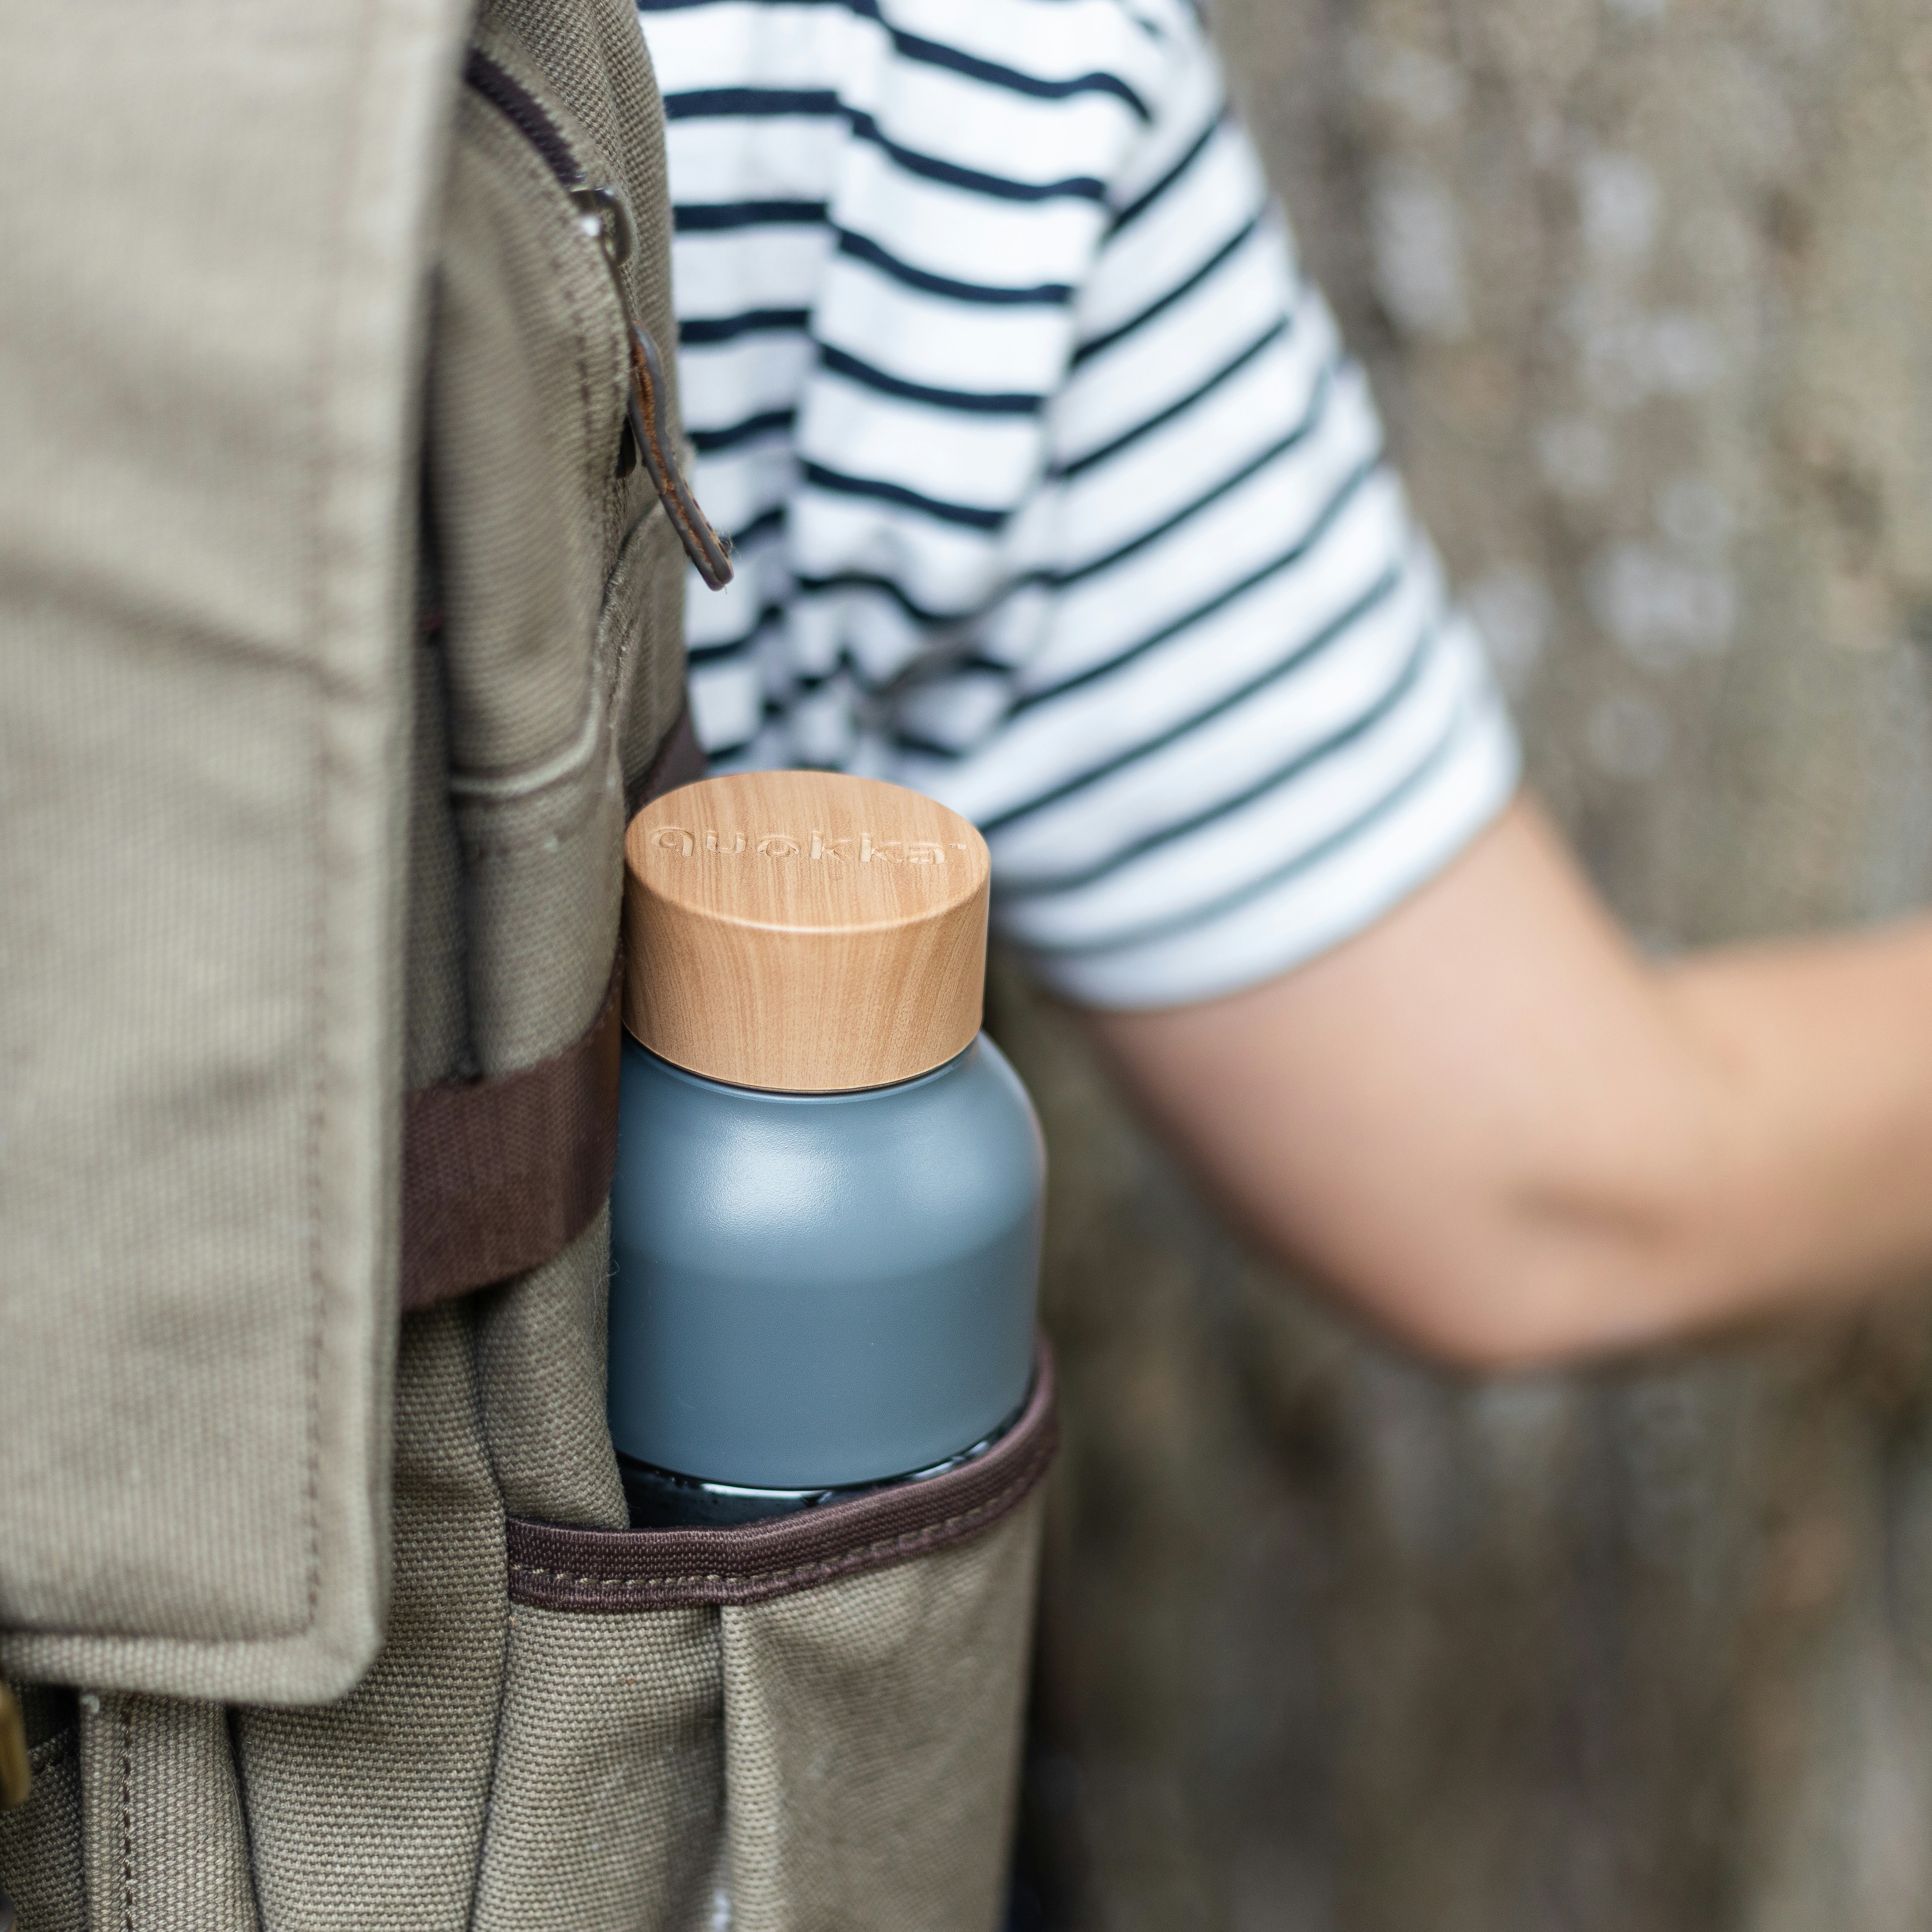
column 604, row 217
column 710, row 553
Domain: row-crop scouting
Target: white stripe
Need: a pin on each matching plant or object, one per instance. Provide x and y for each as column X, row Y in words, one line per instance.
column 935, row 340
column 960, row 233
column 715, row 274
column 761, row 579
column 723, row 383
column 935, row 112
column 986, row 462
column 755, row 158
column 741, row 485
column 727, row 704
column 749, row 44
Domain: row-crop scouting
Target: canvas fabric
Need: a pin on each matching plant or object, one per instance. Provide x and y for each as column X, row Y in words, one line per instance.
column 338, row 650
column 210, row 333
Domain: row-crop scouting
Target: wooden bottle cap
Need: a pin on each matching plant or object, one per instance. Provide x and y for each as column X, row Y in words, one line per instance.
column 803, row 932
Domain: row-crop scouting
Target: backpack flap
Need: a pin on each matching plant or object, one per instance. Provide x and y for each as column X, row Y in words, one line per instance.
column 215, row 232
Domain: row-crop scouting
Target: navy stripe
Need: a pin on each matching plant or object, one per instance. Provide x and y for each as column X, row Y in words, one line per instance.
column 862, row 10
column 1430, row 763
column 714, row 442
column 1060, row 580
column 865, row 10
column 708, row 657
column 707, row 104
column 762, row 525
column 973, row 402
column 843, row 664
column 700, row 103
column 1037, row 86
column 1278, row 332
column 711, row 217
column 879, row 491
column 1296, row 553
column 1404, row 682
column 932, row 53
column 811, row 681
column 700, row 332
column 709, row 654
column 999, row 187
column 690, row 6
column 845, row 580
column 862, row 248
column 1311, row 421
column 1303, row 653
column 1135, row 210
column 1099, row 344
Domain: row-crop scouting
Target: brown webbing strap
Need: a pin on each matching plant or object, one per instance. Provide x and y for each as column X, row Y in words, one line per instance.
column 499, row 1175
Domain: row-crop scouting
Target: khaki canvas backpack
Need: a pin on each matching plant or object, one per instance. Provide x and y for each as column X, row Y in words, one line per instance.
column 342, row 556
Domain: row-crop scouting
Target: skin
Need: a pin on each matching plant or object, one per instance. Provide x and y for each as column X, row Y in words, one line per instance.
column 1497, row 1131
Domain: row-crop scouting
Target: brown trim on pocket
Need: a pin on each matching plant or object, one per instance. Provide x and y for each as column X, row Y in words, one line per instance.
column 553, row 1568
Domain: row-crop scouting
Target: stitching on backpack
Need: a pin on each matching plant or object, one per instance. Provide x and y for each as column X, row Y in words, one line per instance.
column 126, row 1815
column 322, row 372
column 312, row 1154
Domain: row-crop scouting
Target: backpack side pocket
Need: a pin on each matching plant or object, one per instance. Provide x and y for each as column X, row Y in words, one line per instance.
column 811, row 1722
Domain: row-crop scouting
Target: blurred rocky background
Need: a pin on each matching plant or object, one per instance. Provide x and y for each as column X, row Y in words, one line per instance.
column 1646, row 288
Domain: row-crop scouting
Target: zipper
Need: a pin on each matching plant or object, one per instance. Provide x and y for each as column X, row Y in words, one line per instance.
column 604, row 218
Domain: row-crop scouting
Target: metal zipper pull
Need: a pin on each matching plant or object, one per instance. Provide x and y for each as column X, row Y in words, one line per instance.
column 605, row 218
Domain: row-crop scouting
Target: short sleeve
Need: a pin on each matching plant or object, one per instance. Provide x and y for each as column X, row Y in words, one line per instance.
column 1088, row 529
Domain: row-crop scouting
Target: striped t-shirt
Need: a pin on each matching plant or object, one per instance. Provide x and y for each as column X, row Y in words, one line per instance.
column 1053, row 492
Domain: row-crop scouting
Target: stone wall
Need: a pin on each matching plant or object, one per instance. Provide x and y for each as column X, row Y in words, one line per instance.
column 1645, row 288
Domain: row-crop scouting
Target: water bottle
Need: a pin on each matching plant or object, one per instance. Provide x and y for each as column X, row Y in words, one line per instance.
column 826, row 1219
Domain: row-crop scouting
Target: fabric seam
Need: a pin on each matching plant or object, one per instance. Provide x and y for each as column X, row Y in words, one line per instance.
column 127, row 1728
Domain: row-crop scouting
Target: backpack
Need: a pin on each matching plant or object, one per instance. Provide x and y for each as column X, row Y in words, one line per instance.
column 345, row 551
